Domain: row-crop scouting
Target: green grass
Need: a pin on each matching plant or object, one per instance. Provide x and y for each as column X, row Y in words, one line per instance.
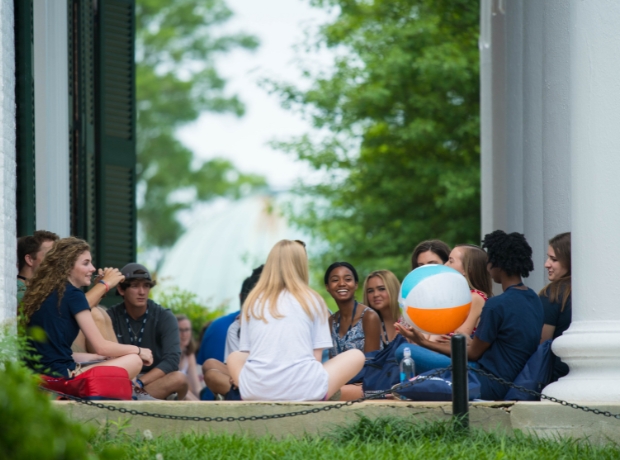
column 384, row 438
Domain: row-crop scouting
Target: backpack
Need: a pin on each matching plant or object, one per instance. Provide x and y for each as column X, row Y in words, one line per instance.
column 381, row 370
column 439, row 387
column 101, row 382
column 535, row 376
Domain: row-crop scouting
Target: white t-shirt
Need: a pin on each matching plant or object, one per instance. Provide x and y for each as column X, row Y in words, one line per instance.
column 232, row 338
column 281, row 365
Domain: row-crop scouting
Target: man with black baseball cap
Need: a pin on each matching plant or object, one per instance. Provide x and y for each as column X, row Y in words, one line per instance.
column 140, row 321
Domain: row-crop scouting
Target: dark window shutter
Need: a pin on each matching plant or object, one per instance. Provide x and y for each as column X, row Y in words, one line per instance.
column 82, row 120
column 24, row 97
column 115, row 139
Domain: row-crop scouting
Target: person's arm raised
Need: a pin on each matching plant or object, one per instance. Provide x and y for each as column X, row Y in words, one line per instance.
column 104, row 347
column 111, row 277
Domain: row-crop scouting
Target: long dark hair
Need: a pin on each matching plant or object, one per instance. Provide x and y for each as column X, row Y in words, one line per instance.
column 560, row 289
column 435, row 246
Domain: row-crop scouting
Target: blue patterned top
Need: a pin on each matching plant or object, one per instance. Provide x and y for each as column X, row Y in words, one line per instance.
column 353, row 339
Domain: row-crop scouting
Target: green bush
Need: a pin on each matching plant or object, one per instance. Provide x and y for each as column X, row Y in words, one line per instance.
column 30, row 427
column 187, row 303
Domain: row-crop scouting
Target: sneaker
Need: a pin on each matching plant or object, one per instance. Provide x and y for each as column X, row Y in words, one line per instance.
column 173, row 397
column 140, row 395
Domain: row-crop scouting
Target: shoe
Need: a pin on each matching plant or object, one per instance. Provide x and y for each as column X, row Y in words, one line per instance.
column 173, row 397
column 140, row 395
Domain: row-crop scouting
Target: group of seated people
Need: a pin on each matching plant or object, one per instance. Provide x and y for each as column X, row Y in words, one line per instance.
column 284, row 344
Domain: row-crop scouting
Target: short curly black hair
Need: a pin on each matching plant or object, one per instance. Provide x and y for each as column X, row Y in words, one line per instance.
column 509, row 252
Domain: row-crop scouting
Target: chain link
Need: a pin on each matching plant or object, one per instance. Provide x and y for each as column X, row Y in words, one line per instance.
column 543, row 396
column 316, row 410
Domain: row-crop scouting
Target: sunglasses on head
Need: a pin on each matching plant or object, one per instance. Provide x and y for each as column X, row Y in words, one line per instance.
column 301, row 242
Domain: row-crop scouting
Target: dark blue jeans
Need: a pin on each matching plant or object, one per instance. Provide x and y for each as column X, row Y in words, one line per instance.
column 425, row 359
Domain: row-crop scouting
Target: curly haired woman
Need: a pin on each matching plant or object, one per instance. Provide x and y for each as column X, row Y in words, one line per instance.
column 510, row 324
column 55, row 303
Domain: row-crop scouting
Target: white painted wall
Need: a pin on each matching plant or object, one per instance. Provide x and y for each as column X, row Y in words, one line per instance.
column 8, row 244
column 51, row 102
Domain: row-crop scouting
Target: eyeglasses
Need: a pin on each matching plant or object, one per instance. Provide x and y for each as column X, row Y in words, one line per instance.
column 301, row 242
column 185, row 329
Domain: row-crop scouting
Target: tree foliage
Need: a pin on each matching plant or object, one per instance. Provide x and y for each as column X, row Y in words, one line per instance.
column 177, row 44
column 401, row 109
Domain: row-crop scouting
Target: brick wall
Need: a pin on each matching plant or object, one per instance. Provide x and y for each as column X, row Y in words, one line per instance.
column 8, row 268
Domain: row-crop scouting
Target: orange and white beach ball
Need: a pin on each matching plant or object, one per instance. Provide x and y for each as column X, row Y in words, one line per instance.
column 435, row 299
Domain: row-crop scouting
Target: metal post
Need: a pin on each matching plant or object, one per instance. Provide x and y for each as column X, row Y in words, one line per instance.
column 460, row 387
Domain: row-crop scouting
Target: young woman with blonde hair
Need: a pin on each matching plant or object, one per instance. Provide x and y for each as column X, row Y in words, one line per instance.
column 284, row 330
column 381, row 290
column 55, row 303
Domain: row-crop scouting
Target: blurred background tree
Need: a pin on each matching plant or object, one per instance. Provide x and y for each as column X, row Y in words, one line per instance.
column 177, row 45
column 399, row 113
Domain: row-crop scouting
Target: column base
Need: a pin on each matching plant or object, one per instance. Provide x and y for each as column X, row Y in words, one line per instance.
column 591, row 349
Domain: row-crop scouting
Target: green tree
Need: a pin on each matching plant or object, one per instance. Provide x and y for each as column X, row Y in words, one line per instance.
column 177, row 45
column 401, row 112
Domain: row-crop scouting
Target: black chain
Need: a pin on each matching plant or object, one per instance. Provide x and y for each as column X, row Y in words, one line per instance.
column 542, row 396
column 316, row 410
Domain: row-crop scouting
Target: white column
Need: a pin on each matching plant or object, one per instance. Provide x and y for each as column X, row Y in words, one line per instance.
column 591, row 346
column 8, row 245
column 556, row 119
column 512, row 175
column 532, row 172
column 51, row 89
column 492, row 116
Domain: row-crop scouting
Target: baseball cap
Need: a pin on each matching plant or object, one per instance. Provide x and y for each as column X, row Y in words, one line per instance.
column 135, row 271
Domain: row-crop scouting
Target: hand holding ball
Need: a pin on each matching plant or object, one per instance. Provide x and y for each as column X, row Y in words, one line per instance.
column 435, row 299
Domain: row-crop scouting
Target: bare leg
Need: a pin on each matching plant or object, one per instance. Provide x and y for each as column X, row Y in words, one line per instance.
column 174, row 382
column 351, row 392
column 236, row 360
column 131, row 363
column 217, row 376
column 191, row 397
column 343, row 368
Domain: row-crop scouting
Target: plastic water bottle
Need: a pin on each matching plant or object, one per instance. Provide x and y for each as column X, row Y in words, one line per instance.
column 407, row 366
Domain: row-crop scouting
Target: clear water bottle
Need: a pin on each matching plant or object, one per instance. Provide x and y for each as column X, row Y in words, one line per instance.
column 407, row 366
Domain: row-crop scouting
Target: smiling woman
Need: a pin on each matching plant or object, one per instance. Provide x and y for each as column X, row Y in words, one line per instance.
column 381, row 289
column 55, row 304
column 353, row 326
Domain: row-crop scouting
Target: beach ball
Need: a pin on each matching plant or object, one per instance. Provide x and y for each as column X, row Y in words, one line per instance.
column 435, row 299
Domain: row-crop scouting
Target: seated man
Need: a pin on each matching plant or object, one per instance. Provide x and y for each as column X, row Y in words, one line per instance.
column 216, row 375
column 141, row 322
column 30, row 253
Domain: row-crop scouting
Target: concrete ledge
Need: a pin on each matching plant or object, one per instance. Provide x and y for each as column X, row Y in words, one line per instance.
column 483, row 415
column 541, row 418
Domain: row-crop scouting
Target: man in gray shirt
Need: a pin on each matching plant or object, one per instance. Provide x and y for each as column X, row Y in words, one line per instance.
column 141, row 322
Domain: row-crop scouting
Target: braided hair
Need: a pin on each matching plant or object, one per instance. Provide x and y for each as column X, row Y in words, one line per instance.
column 509, row 252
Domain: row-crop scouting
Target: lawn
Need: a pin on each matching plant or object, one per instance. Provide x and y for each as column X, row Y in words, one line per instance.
column 386, row 438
